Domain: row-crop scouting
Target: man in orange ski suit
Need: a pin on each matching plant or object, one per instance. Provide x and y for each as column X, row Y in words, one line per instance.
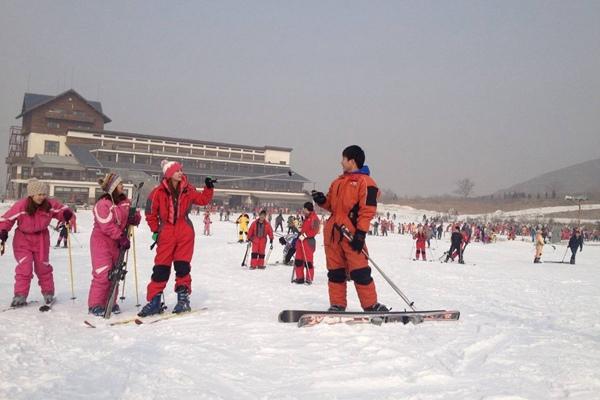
column 352, row 201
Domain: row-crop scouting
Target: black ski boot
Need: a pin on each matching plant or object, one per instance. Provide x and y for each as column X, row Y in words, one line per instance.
column 183, row 300
column 336, row 308
column 377, row 307
column 155, row 306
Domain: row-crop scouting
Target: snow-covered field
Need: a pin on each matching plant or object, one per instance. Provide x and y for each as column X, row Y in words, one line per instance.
column 526, row 331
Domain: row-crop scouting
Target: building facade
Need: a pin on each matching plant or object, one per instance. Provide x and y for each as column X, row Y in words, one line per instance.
column 63, row 141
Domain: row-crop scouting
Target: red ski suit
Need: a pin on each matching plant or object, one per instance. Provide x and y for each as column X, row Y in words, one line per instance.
column 257, row 234
column 167, row 214
column 306, row 245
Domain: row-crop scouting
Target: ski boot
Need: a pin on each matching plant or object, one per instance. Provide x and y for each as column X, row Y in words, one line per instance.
column 155, row 306
column 336, row 308
column 183, row 301
column 18, row 301
column 116, row 309
column 48, row 299
column 299, row 281
column 377, row 307
column 97, row 311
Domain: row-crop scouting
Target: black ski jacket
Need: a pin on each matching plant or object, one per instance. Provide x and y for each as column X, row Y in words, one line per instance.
column 575, row 242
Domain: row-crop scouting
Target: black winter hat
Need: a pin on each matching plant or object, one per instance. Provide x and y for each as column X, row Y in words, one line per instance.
column 355, row 153
column 309, row 206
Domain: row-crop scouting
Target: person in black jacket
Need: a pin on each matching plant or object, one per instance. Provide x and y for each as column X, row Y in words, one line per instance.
column 456, row 240
column 575, row 241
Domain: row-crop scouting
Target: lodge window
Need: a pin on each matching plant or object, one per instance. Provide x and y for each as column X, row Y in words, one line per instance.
column 53, row 125
column 51, row 147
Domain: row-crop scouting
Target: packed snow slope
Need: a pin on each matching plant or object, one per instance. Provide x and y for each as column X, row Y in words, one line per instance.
column 526, row 331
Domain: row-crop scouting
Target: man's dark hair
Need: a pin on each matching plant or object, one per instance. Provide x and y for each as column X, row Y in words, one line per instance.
column 355, row 153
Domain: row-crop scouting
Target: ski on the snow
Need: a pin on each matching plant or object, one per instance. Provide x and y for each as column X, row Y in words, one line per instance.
column 311, row 317
column 147, row 320
column 17, row 307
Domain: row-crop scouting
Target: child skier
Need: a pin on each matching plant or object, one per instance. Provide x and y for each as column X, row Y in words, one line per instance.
column 108, row 239
column 306, row 245
column 31, row 244
column 421, row 238
column 539, row 246
column 243, row 221
column 259, row 230
column 207, row 223
column 61, row 227
column 167, row 215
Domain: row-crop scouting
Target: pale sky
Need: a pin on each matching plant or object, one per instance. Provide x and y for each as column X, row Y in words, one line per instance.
column 434, row 91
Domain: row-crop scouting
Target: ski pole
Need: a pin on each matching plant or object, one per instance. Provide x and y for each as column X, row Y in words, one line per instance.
column 135, row 274
column 70, row 262
column 269, row 254
column 410, row 257
column 563, row 259
column 304, row 257
column 124, row 276
column 246, row 254
column 346, row 233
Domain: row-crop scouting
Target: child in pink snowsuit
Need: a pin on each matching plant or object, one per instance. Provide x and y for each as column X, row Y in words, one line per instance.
column 207, row 223
column 31, row 244
column 108, row 239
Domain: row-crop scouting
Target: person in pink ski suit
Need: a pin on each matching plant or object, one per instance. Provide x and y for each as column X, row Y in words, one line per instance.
column 207, row 223
column 31, row 244
column 108, row 238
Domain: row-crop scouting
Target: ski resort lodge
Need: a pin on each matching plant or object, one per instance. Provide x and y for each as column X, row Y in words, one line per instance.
column 62, row 141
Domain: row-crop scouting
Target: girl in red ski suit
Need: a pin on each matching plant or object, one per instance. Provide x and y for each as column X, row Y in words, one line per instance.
column 306, row 245
column 257, row 234
column 167, row 211
column 421, row 239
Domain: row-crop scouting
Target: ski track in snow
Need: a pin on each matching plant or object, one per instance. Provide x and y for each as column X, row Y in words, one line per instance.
column 526, row 331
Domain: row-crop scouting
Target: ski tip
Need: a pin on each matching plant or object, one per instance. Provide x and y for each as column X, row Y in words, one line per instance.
column 89, row 324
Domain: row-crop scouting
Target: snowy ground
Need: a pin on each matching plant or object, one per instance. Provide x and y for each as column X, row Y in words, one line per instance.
column 526, row 331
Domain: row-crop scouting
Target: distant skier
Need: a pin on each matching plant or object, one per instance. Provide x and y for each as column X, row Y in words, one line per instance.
column 207, row 223
column 258, row 233
column 421, row 239
column 242, row 222
column 279, row 222
column 306, row 245
column 31, row 244
column 456, row 240
column 575, row 241
column 167, row 216
column 111, row 215
column 352, row 201
column 63, row 233
column 539, row 246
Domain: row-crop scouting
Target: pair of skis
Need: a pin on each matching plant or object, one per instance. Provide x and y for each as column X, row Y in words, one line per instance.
column 307, row 318
column 119, row 270
column 147, row 320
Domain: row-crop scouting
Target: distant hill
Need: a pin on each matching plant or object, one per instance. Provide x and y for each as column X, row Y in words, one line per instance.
column 578, row 178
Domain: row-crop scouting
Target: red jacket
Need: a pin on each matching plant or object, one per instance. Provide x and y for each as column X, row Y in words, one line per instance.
column 310, row 226
column 258, row 230
column 163, row 207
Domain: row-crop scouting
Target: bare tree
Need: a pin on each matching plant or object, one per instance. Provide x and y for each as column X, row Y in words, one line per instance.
column 464, row 187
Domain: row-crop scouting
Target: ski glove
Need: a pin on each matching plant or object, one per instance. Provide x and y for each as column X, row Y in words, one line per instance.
column 358, row 241
column 155, row 236
column 318, row 197
column 209, row 182
column 67, row 215
column 124, row 243
column 3, row 235
column 134, row 220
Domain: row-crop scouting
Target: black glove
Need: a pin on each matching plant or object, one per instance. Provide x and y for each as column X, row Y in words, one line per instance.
column 358, row 241
column 318, row 197
column 67, row 215
column 3, row 235
column 209, row 182
column 282, row 241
